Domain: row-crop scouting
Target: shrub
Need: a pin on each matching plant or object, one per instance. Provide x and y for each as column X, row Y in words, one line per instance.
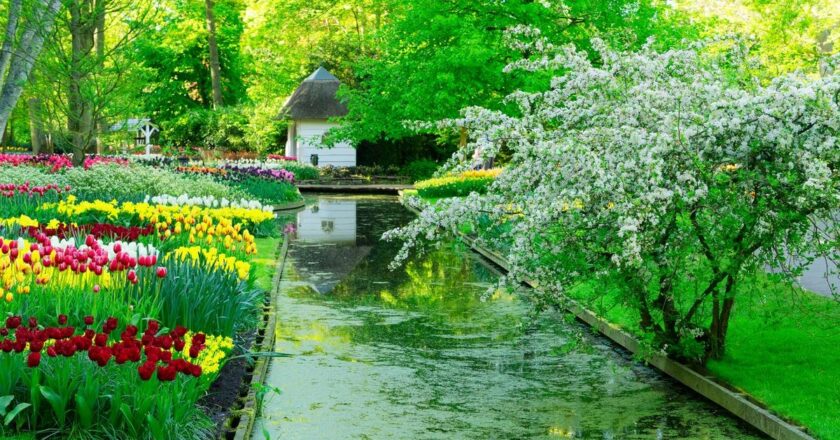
column 420, row 169
column 670, row 177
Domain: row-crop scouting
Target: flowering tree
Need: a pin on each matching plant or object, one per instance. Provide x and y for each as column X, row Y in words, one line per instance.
column 669, row 176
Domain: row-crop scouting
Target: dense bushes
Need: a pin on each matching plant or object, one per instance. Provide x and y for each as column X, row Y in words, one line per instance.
column 457, row 186
column 232, row 129
column 420, row 169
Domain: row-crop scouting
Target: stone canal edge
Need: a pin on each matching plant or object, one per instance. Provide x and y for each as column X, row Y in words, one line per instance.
column 241, row 423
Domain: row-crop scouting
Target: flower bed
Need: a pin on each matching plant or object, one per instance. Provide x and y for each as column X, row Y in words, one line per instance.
column 458, row 185
column 119, row 316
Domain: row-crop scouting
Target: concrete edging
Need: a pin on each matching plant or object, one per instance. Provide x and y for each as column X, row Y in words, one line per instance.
column 710, row 387
column 264, row 342
column 290, row 206
column 354, row 189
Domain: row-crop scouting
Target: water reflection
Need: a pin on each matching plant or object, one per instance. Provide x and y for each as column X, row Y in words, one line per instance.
column 415, row 353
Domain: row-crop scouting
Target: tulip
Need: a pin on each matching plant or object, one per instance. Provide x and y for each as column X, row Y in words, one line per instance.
column 161, row 272
column 34, row 359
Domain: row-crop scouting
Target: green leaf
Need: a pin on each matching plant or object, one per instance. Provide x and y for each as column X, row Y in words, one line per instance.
column 85, row 410
column 4, row 403
column 57, row 403
column 11, row 415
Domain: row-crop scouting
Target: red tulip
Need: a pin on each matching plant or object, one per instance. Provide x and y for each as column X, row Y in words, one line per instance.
column 161, row 272
column 34, row 359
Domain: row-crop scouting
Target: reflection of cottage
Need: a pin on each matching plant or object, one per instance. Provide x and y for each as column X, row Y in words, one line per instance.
column 141, row 129
column 331, row 220
column 309, row 111
column 326, row 248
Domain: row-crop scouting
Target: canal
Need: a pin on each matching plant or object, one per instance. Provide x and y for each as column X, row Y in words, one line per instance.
column 419, row 353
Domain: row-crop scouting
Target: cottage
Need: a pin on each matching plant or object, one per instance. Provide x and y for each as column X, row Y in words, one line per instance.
column 309, row 111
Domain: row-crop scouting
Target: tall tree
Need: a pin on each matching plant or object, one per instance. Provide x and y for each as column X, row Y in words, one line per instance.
column 85, row 76
column 215, row 64
column 9, row 40
column 439, row 56
column 787, row 34
column 80, row 117
column 99, row 43
column 26, row 51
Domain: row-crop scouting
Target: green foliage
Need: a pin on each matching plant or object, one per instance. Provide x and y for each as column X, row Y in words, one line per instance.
column 420, row 169
column 439, row 57
column 212, row 301
column 78, row 399
column 264, row 132
column 269, row 191
column 174, row 59
column 225, row 128
column 786, row 35
column 402, row 151
column 301, row 171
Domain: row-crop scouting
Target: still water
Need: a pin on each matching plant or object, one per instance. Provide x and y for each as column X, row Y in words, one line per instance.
column 416, row 354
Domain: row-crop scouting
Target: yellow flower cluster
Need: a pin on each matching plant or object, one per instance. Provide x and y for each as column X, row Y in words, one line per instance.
column 479, row 174
column 203, row 230
column 215, row 351
column 215, row 260
column 457, row 185
column 24, row 221
column 157, row 213
column 71, row 208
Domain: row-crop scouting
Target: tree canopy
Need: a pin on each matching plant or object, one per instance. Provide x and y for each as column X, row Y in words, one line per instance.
column 401, row 62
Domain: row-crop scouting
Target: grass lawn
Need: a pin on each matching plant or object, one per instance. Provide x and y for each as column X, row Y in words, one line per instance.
column 788, row 356
column 783, row 348
column 264, row 263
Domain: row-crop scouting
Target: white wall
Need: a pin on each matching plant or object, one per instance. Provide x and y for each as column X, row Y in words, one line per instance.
column 309, row 133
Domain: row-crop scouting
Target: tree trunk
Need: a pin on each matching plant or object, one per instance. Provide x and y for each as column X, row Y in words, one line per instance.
column 35, row 125
column 79, row 119
column 99, row 43
column 215, row 66
column 31, row 43
column 721, row 312
column 9, row 41
column 9, row 133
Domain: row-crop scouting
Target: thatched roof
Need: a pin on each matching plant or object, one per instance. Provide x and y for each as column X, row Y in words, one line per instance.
column 132, row 124
column 315, row 98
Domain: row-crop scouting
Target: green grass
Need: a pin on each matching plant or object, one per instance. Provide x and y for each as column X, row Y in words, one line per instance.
column 783, row 347
column 786, row 353
column 265, row 261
